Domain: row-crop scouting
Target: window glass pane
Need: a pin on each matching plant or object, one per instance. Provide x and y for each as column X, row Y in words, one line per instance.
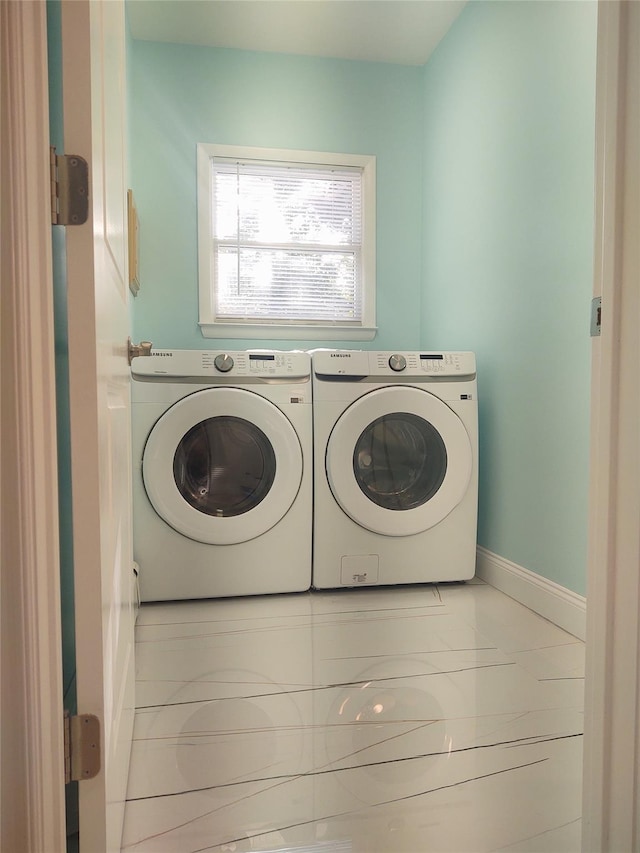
column 400, row 461
column 224, row 466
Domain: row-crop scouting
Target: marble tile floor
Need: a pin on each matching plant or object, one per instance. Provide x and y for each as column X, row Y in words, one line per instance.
column 417, row 719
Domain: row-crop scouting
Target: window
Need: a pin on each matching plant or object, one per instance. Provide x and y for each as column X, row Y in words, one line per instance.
column 286, row 244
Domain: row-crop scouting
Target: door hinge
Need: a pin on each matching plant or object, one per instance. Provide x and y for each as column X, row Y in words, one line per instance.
column 69, row 188
column 596, row 316
column 81, row 747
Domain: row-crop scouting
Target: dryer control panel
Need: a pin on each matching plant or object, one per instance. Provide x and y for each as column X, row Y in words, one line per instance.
column 197, row 364
column 425, row 365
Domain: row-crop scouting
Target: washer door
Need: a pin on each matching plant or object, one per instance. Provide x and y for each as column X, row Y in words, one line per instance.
column 398, row 461
column 222, row 466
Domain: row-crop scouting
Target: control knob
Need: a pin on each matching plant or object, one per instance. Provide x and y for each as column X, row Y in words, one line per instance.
column 397, row 363
column 223, row 362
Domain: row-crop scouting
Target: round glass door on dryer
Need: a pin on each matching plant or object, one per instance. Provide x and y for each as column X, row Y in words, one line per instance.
column 222, row 466
column 398, row 461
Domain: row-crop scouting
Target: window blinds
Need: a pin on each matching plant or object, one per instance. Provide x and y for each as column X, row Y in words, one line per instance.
column 286, row 243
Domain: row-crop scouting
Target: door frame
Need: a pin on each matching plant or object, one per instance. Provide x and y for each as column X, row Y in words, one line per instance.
column 32, row 783
column 611, row 789
column 32, row 789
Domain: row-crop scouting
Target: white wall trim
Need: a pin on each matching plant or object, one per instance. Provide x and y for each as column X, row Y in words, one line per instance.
column 556, row 603
column 32, row 760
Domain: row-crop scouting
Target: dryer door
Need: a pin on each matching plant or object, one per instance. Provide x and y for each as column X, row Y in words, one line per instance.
column 398, row 461
column 222, row 466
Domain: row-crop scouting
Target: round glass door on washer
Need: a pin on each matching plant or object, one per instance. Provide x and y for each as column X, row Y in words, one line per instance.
column 224, row 466
column 395, row 467
column 222, row 481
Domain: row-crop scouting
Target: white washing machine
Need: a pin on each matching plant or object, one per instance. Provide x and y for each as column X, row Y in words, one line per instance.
column 396, row 467
column 222, row 480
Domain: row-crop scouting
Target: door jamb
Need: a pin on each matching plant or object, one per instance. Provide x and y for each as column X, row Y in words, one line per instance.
column 32, row 781
column 611, row 789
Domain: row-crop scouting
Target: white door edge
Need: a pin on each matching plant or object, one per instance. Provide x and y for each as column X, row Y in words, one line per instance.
column 93, row 74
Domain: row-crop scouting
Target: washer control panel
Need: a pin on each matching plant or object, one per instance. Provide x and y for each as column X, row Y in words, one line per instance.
column 446, row 363
column 199, row 364
column 425, row 365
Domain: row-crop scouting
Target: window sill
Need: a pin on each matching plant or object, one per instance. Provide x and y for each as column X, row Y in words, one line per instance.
column 272, row 332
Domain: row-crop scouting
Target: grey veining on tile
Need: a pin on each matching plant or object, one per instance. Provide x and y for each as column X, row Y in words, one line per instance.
column 409, row 720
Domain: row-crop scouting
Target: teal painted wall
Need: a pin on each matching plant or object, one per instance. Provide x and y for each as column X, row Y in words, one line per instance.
column 181, row 95
column 508, row 244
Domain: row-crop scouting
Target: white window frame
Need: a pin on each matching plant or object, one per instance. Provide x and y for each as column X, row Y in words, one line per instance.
column 210, row 325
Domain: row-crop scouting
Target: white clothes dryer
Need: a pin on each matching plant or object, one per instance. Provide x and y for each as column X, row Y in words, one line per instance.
column 222, row 479
column 396, row 467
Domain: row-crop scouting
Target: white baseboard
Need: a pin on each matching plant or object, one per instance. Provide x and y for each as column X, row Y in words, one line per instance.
column 559, row 605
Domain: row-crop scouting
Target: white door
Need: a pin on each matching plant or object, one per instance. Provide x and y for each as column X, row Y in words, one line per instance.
column 94, row 97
